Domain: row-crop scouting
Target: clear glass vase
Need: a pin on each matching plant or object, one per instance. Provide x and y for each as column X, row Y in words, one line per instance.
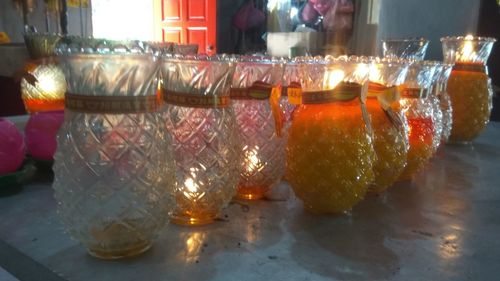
column 389, row 125
column 261, row 125
column 330, row 153
column 405, row 48
column 205, row 136
column 114, row 171
column 419, row 113
column 469, row 86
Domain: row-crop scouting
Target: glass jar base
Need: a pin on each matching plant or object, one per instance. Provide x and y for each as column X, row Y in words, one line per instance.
column 113, row 254
column 181, row 219
column 251, row 193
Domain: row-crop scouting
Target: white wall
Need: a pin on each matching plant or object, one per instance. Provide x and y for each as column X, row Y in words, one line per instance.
column 123, row 19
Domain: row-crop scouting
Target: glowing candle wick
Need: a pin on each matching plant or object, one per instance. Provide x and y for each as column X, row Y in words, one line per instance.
column 191, row 185
column 333, row 78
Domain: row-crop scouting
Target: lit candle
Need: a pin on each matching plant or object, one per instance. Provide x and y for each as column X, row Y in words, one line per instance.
column 468, row 85
column 330, row 153
column 47, row 93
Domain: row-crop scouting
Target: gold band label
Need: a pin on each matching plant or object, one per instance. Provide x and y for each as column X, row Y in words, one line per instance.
column 195, row 100
column 471, row 67
column 345, row 91
column 111, row 104
column 385, row 95
column 414, row 93
column 258, row 91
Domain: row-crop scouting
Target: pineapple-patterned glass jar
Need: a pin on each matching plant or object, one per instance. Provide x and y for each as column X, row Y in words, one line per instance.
column 46, row 91
column 261, row 124
column 469, row 86
column 204, row 135
column 114, row 173
column 389, row 125
column 419, row 114
column 330, row 153
column 405, row 48
column 445, row 102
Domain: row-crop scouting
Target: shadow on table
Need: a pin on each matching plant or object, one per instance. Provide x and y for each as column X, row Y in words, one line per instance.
column 359, row 246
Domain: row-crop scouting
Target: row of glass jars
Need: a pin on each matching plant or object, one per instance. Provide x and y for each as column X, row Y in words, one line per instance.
column 123, row 157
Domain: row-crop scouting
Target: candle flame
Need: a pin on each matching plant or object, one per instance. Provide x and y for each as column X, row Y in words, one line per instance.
column 375, row 75
column 190, row 185
column 333, row 78
column 467, row 52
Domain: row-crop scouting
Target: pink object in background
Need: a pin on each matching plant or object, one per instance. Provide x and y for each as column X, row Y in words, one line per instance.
column 12, row 147
column 41, row 132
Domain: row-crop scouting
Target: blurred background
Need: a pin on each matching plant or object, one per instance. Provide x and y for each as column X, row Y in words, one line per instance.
column 276, row 27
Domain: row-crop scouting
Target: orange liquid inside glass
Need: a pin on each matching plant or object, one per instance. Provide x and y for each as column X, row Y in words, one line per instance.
column 38, row 105
column 421, row 132
column 329, row 156
column 470, row 99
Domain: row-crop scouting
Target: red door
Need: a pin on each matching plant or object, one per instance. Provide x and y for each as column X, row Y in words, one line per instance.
column 188, row 22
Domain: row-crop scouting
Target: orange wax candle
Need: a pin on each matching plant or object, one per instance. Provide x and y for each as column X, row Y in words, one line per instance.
column 390, row 146
column 329, row 156
column 39, row 105
column 421, row 134
column 471, row 101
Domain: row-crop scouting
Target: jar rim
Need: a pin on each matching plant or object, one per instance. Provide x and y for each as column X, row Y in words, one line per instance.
column 467, row 38
column 407, row 39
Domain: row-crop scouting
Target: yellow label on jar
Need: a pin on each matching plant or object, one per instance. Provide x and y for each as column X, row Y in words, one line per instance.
column 294, row 95
column 278, row 115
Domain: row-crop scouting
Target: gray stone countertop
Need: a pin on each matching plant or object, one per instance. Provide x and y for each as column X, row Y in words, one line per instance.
column 443, row 225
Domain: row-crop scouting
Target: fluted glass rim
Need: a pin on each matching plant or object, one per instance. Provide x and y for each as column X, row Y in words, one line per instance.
column 406, row 39
column 468, row 38
column 101, row 47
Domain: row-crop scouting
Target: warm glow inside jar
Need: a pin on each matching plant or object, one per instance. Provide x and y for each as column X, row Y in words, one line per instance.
column 419, row 115
column 330, row 153
column 47, row 92
column 204, row 133
column 261, row 123
column 389, row 126
column 468, row 85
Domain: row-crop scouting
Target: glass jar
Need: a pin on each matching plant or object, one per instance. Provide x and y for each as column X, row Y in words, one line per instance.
column 114, row 171
column 330, row 153
column 405, row 48
column 469, row 86
column 389, row 125
column 445, row 102
column 419, row 114
column 47, row 92
column 261, row 125
column 204, row 135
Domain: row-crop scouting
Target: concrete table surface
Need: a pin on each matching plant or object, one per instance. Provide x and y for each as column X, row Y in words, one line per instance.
column 443, row 225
